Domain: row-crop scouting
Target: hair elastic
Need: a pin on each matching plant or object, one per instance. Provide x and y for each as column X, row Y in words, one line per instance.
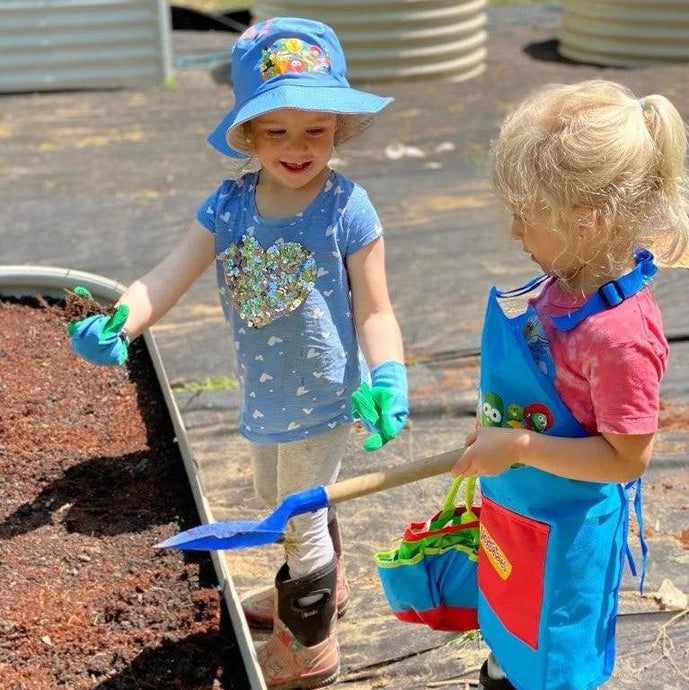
column 642, row 102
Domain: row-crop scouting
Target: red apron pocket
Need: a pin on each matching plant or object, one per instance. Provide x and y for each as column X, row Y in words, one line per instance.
column 511, row 568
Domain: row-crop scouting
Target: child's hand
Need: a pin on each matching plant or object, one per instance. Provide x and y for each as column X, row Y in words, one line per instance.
column 489, row 451
column 98, row 338
column 383, row 409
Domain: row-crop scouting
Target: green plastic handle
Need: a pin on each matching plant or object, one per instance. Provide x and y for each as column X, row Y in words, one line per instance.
column 469, row 515
column 448, row 510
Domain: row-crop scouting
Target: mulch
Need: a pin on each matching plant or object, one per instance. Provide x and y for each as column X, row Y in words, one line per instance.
column 90, row 480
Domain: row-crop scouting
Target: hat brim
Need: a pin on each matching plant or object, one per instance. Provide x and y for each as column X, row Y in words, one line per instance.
column 341, row 100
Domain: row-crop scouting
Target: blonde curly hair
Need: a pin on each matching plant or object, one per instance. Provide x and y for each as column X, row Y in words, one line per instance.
column 593, row 149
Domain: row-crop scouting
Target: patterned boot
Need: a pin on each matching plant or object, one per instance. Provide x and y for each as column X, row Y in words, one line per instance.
column 259, row 607
column 302, row 651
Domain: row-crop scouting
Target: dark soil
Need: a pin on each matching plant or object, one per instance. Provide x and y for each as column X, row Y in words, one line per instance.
column 90, row 479
column 77, row 307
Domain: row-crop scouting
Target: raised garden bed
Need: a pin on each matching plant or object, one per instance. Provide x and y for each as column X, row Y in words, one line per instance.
column 91, row 477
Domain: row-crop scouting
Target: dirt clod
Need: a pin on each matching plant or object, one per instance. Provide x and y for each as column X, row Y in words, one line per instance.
column 79, row 306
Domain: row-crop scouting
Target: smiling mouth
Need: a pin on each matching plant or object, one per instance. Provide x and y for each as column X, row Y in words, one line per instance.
column 296, row 167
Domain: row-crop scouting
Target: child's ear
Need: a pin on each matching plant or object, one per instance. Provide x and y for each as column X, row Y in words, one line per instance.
column 589, row 222
column 242, row 138
column 248, row 132
column 599, row 220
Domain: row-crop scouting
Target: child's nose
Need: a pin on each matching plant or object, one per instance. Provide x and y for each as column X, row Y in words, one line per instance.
column 516, row 231
column 297, row 143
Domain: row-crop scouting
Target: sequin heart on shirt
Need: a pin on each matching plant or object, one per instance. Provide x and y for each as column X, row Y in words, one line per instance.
column 265, row 284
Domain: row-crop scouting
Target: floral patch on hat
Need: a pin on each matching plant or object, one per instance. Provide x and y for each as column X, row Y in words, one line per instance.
column 292, row 55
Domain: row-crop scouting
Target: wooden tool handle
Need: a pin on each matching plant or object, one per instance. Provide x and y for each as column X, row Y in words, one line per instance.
column 395, row 476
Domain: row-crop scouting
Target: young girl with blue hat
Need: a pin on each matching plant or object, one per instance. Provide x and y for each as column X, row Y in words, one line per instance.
column 570, row 387
column 299, row 255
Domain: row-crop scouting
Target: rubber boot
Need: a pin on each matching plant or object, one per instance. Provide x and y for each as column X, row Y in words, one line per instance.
column 259, row 607
column 342, row 582
column 302, row 651
column 486, row 682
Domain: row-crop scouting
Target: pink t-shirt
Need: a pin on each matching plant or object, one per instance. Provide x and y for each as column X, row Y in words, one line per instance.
column 608, row 368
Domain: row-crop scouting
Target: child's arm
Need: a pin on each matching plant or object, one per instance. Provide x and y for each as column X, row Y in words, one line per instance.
column 376, row 326
column 150, row 297
column 384, row 408
column 604, row 458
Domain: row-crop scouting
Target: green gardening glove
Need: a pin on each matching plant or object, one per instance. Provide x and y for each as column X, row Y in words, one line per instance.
column 100, row 339
column 382, row 408
column 365, row 410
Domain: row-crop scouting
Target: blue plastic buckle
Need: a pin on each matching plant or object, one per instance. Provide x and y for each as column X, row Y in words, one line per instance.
column 611, row 293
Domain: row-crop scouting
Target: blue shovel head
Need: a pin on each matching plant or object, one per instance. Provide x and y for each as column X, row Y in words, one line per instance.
column 217, row 536
column 239, row 534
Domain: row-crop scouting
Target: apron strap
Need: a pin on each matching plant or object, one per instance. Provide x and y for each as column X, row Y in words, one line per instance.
column 523, row 289
column 636, row 484
column 613, row 293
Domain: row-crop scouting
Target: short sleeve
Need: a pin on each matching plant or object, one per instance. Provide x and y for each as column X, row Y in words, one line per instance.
column 625, row 387
column 209, row 209
column 361, row 222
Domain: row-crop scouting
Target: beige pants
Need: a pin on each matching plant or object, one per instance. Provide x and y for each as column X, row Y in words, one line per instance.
column 283, row 468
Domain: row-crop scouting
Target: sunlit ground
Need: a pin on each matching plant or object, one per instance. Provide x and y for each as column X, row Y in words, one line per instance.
column 212, row 6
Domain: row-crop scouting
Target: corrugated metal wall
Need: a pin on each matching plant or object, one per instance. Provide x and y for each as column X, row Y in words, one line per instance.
column 71, row 44
column 625, row 32
column 398, row 39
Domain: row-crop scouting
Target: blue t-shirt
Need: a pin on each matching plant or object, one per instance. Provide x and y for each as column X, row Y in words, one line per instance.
column 284, row 288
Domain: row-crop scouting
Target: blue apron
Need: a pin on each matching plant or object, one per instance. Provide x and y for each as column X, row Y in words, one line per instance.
column 552, row 549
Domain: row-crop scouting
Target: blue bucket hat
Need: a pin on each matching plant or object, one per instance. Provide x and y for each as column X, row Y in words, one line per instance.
column 287, row 62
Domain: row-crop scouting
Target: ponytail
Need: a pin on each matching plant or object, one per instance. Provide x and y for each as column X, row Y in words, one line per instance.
column 669, row 136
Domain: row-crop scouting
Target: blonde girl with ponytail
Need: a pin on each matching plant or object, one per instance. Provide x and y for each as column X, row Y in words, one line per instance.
column 595, row 178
